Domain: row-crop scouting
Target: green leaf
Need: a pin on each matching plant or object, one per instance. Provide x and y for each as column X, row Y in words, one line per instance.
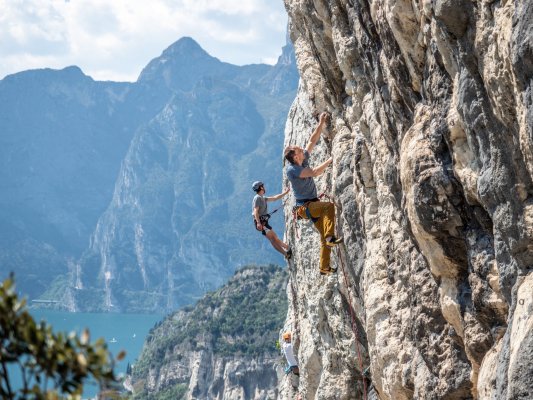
column 64, row 359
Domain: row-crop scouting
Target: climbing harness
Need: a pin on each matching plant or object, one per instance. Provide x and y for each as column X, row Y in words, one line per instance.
column 304, row 208
column 264, row 218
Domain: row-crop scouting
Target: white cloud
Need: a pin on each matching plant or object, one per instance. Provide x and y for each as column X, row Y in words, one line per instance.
column 114, row 40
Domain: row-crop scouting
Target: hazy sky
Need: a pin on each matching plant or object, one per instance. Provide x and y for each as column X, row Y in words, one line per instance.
column 115, row 39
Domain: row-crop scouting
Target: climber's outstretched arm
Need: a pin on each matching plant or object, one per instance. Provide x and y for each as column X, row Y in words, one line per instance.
column 312, row 172
column 278, row 196
column 316, row 133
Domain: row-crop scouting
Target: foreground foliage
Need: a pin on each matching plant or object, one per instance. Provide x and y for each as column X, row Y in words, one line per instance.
column 51, row 365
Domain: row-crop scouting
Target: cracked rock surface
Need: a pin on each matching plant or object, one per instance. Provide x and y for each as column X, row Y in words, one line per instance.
column 431, row 134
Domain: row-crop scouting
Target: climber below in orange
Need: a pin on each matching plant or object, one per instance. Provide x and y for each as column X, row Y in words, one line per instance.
column 289, row 354
column 308, row 206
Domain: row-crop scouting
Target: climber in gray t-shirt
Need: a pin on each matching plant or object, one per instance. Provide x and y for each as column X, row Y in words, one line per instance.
column 260, row 203
column 322, row 213
column 304, row 188
column 261, row 216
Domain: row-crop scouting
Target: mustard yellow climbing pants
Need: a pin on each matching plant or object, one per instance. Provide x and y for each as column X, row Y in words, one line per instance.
column 325, row 224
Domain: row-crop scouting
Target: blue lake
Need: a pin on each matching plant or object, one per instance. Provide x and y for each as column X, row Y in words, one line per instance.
column 121, row 332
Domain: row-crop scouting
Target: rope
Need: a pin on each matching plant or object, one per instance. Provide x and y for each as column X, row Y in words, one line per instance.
column 323, row 194
column 352, row 312
column 354, row 325
column 276, row 210
column 295, row 223
column 294, row 306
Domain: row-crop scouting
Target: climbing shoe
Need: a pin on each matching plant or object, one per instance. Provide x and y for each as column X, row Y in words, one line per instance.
column 328, row 271
column 288, row 254
column 332, row 241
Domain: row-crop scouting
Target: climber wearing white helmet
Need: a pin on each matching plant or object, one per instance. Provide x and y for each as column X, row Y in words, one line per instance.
column 260, row 217
column 308, row 206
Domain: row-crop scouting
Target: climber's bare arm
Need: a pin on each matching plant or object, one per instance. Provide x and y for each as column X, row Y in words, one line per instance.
column 316, row 133
column 312, row 172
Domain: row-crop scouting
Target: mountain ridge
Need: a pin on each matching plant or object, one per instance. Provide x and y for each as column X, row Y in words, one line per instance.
column 70, row 188
column 222, row 347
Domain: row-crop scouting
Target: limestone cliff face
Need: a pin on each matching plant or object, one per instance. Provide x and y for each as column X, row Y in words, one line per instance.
column 431, row 135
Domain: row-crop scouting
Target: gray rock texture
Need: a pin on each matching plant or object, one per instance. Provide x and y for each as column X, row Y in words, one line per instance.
column 431, row 135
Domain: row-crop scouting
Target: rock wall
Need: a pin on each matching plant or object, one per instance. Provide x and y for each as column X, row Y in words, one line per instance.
column 187, row 169
column 431, row 130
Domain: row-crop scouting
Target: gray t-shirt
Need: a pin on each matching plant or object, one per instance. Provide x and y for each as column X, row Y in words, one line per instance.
column 303, row 188
column 259, row 201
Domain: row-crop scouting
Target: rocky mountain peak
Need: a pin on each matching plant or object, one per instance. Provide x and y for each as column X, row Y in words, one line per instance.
column 181, row 65
column 185, row 47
